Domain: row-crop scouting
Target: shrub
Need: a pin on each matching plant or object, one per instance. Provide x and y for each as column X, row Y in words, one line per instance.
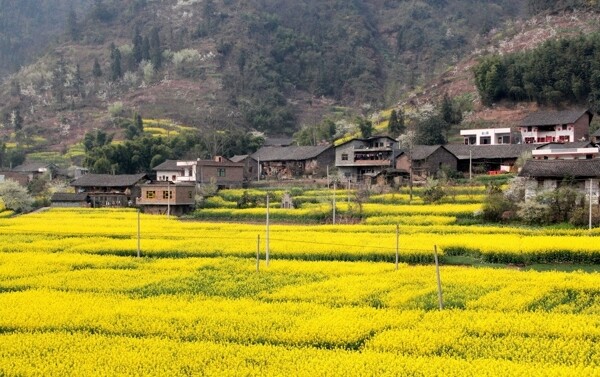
column 581, row 216
column 495, row 206
column 15, row 196
column 534, row 213
column 434, row 192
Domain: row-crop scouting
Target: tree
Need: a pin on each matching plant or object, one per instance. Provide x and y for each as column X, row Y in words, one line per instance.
column 73, row 26
column 449, row 111
column 96, row 70
column 430, row 131
column 396, row 123
column 115, row 63
column 59, row 78
column 15, row 196
column 155, row 49
column 77, row 82
column 137, row 51
column 146, row 48
column 365, row 126
column 16, row 119
column 139, row 122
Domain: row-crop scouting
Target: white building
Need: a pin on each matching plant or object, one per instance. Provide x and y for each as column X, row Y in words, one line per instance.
column 487, row 136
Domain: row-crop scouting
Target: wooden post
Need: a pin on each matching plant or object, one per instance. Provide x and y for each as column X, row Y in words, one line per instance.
column 590, row 219
column 139, row 252
column 439, row 280
column 334, row 187
column 397, row 245
column 258, row 253
column 267, row 234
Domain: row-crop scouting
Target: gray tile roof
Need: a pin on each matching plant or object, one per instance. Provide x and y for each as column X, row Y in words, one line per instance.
column 366, row 140
column 29, row 167
column 168, row 165
column 292, row 153
column 278, row 142
column 69, row 197
column 501, row 151
column 575, row 144
column 239, row 158
column 550, row 118
column 421, row 152
column 108, row 180
column 561, row 169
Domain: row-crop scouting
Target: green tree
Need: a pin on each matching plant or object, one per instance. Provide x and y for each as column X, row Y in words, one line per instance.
column 431, row 130
column 73, row 26
column 16, row 119
column 96, row 70
column 365, row 126
column 137, row 50
column 146, row 48
column 396, row 123
column 115, row 63
column 155, row 49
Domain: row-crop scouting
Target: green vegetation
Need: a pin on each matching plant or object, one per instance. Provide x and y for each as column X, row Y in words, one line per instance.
column 566, row 70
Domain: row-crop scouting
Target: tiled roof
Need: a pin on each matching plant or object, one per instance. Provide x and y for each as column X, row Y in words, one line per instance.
column 550, row 118
column 68, row 197
column 107, row 180
column 239, row 158
column 575, row 144
column 168, row 165
column 461, row 151
column 278, row 142
column 421, row 152
column 28, row 167
column 367, row 139
column 291, row 153
column 561, row 168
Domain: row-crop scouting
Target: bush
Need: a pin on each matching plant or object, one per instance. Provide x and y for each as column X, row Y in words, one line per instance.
column 534, row 213
column 581, row 216
column 434, row 192
column 495, row 207
column 15, row 196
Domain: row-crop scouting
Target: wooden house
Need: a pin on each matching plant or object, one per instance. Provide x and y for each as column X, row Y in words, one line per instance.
column 426, row 160
column 362, row 159
column 221, row 171
column 556, row 126
column 68, row 199
column 107, row 190
column 167, row 197
column 294, row 162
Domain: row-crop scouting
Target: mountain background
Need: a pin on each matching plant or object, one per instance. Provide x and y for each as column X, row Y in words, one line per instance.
column 71, row 67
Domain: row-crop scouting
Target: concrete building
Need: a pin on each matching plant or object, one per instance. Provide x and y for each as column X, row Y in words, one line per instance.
column 487, row 136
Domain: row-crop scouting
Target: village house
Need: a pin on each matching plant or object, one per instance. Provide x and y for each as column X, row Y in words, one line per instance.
column 105, row 190
column 20, row 178
column 545, row 175
column 488, row 158
column 36, row 169
column 487, row 136
column 68, row 199
column 220, row 171
column 250, row 166
column 165, row 197
column 426, row 160
column 582, row 150
column 294, row 161
column 362, row 159
column 556, row 126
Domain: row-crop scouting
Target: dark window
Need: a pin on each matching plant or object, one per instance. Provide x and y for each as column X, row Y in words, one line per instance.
column 221, row 172
column 168, row 194
column 150, row 194
column 344, row 156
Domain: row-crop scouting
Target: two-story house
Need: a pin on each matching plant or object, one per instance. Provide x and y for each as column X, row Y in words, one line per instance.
column 167, row 198
column 556, row 126
column 359, row 158
column 220, row 170
column 487, row 136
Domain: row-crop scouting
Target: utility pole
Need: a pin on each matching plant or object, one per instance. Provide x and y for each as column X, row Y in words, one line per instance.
column 397, row 245
column 590, row 215
column 168, row 199
column 138, row 234
column 470, row 164
column 334, row 187
column 258, row 253
column 439, row 280
column 267, row 233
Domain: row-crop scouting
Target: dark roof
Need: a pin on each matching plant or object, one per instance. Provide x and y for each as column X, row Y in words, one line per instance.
column 167, row 165
column 278, row 142
column 561, row 168
column 239, row 158
column 421, row 152
column 501, row 151
column 367, row 139
column 550, row 118
column 224, row 162
column 107, row 180
column 292, row 153
column 575, row 144
column 69, row 197
column 34, row 167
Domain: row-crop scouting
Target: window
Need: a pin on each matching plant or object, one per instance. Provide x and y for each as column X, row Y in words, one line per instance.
column 189, row 194
column 168, row 194
column 344, row 156
column 220, row 172
column 150, row 194
column 529, row 129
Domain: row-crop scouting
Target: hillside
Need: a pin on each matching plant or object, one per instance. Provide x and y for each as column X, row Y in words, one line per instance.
column 223, row 67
